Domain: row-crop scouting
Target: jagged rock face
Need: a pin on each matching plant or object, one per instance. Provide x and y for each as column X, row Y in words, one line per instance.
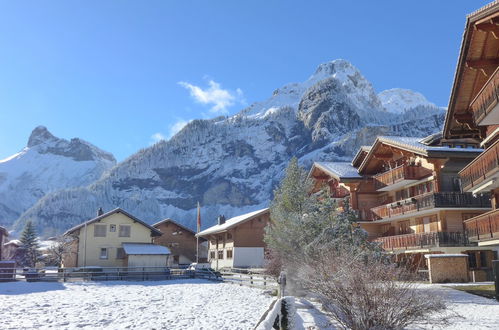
column 232, row 164
column 47, row 164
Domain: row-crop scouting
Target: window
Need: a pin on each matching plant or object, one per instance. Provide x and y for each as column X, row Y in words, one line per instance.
column 212, row 255
column 472, row 260
column 229, row 254
column 483, row 259
column 176, row 259
column 229, row 236
column 120, row 253
column 99, row 230
column 220, row 254
column 103, row 253
column 124, row 231
column 112, row 228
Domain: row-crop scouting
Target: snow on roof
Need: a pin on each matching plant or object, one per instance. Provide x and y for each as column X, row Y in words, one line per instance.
column 445, row 255
column 415, row 143
column 155, row 232
column 232, row 222
column 340, row 169
column 144, row 248
column 14, row 242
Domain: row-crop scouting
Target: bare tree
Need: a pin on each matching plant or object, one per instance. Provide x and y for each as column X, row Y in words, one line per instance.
column 362, row 292
column 60, row 249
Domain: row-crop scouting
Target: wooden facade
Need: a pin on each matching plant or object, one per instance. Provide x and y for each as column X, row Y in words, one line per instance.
column 181, row 241
column 408, row 197
column 3, row 239
column 474, row 114
column 238, row 242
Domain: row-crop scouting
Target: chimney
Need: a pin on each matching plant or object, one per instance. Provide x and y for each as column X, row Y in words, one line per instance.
column 100, row 212
column 221, row 219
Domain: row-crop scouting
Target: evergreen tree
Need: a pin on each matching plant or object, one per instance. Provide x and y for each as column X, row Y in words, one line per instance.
column 304, row 225
column 29, row 253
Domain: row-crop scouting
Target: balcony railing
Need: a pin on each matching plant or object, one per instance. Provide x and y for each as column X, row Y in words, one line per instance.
column 423, row 240
column 481, row 168
column 399, row 174
column 432, row 200
column 483, row 227
column 486, row 99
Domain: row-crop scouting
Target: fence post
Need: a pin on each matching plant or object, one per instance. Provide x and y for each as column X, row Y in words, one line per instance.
column 495, row 267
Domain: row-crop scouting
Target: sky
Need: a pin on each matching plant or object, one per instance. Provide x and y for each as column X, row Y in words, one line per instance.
column 123, row 74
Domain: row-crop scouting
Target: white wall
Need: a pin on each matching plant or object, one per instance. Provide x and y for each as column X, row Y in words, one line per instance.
column 248, row 257
column 147, row 260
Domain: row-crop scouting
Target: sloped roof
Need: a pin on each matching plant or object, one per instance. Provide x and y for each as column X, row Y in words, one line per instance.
column 476, row 45
column 416, row 145
column 232, row 222
column 339, row 169
column 174, row 222
column 358, row 155
column 144, row 249
column 154, row 231
column 13, row 242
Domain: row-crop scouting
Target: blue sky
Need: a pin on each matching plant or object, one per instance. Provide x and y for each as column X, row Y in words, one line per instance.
column 120, row 74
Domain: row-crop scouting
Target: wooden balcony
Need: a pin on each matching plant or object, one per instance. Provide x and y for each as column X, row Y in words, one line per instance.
column 431, row 200
column 483, row 227
column 483, row 106
column 481, row 169
column 399, row 177
column 423, row 240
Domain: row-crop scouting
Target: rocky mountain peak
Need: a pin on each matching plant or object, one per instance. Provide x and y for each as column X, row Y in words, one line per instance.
column 40, row 135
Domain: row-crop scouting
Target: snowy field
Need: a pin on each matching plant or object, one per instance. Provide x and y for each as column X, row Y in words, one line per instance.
column 175, row 304
column 467, row 311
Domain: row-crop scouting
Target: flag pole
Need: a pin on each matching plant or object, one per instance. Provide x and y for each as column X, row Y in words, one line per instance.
column 197, row 237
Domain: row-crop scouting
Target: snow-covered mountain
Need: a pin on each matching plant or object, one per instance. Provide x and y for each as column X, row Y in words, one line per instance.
column 45, row 165
column 398, row 100
column 232, row 164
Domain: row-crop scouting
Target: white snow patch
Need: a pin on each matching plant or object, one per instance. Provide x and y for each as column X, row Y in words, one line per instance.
column 175, row 304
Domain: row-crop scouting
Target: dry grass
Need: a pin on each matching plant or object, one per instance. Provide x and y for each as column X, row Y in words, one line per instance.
column 487, row 291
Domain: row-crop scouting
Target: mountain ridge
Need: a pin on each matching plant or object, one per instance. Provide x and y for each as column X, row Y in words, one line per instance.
column 232, row 164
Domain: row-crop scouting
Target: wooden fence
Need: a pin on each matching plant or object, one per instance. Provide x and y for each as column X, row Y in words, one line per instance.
column 261, row 281
column 139, row 274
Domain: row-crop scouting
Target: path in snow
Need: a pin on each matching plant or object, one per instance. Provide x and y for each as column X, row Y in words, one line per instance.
column 175, row 304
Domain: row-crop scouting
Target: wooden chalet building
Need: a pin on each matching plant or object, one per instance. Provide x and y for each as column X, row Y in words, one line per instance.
column 473, row 117
column 238, row 241
column 407, row 194
column 3, row 239
column 181, row 241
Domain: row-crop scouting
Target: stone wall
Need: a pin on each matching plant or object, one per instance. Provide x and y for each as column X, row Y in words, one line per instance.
column 445, row 268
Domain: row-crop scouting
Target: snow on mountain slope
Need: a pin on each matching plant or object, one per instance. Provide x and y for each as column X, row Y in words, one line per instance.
column 45, row 165
column 398, row 100
column 232, row 164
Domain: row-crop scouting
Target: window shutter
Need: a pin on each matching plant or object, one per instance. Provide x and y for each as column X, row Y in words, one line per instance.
column 124, row 231
column 100, row 230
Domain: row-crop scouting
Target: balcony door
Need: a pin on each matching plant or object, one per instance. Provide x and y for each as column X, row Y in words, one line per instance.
column 430, row 224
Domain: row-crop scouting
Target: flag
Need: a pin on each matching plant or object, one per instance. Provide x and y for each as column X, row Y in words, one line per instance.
column 199, row 218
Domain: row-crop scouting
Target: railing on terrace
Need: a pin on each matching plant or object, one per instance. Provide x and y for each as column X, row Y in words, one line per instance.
column 481, row 168
column 423, row 240
column 483, row 227
column 486, row 99
column 432, row 200
column 400, row 173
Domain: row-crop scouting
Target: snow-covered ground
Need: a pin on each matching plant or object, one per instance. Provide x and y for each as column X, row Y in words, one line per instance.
column 175, row 304
column 467, row 312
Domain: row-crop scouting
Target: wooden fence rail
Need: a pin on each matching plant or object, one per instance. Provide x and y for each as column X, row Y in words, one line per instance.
column 139, row 274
